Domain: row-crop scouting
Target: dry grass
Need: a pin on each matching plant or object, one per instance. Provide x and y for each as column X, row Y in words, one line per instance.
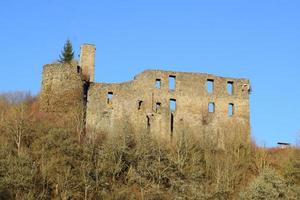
column 46, row 157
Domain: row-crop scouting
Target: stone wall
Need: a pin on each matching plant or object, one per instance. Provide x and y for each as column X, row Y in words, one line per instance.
column 140, row 106
column 143, row 104
column 62, row 88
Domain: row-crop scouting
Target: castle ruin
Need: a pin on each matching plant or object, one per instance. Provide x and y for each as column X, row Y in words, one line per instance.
column 162, row 103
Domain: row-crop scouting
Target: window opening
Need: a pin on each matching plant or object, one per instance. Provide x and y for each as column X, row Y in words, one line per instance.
column 158, row 83
column 172, row 80
column 230, row 87
column 109, row 97
column 158, row 106
column 140, row 103
column 172, row 105
column 210, row 85
column 78, row 69
column 230, row 109
column 211, row 107
column 172, row 122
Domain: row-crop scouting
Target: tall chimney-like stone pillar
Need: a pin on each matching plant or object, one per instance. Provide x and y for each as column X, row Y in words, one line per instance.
column 87, row 61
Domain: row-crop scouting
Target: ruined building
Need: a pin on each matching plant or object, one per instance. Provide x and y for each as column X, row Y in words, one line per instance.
column 163, row 103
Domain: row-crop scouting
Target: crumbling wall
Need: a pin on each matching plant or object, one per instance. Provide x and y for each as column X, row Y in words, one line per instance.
column 62, row 88
column 143, row 104
column 162, row 103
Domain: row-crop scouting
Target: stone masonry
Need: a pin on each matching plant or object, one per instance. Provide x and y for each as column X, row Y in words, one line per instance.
column 162, row 103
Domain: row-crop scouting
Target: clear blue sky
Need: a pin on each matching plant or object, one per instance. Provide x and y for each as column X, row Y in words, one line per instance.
column 255, row 39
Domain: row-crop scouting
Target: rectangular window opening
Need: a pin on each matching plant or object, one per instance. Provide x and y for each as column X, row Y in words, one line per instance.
column 78, row 70
column 158, row 106
column 210, row 85
column 172, row 105
column 230, row 87
column 211, row 107
column 158, row 83
column 172, row 82
column 110, row 97
column 230, row 109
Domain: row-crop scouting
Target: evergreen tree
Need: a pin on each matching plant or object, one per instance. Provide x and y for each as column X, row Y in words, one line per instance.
column 67, row 54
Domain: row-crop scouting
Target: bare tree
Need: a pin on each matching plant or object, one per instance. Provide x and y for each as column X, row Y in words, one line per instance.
column 17, row 125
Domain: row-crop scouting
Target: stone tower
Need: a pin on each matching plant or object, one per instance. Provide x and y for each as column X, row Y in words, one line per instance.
column 65, row 85
column 87, row 61
column 62, row 88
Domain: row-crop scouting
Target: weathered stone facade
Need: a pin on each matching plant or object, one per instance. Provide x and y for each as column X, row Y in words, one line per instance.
column 62, row 88
column 87, row 61
column 162, row 103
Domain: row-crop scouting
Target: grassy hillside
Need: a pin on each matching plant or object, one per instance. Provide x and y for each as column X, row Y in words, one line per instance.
column 47, row 157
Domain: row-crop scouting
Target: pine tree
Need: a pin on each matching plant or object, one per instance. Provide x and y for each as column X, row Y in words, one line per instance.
column 67, row 54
